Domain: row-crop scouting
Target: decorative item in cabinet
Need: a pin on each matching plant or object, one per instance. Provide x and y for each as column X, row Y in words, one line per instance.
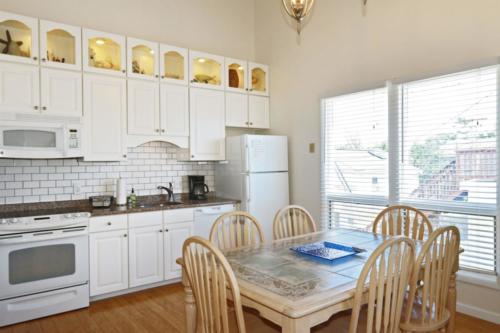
column 104, row 52
column 142, row 59
column 173, row 64
column 206, row 70
column 259, row 79
column 18, row 38
column 236, row 73
column 60, row 45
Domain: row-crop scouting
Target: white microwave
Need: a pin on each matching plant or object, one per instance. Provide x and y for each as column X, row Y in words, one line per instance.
column 40, row 140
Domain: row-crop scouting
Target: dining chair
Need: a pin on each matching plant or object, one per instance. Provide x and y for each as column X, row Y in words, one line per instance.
column 426, row 309
column 402, row 220
column 236, row 229
column 382, row 285
column 210, row 277
column 292, row 221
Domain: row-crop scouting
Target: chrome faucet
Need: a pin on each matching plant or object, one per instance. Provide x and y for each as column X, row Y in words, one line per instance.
column 169, row 189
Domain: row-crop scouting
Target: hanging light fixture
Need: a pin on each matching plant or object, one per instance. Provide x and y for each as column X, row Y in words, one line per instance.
column 298, row 10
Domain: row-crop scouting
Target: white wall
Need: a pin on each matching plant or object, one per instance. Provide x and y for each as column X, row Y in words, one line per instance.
column 345, row 49
column 223, row 27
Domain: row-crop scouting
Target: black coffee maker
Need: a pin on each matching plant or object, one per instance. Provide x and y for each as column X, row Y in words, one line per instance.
column 197, row 188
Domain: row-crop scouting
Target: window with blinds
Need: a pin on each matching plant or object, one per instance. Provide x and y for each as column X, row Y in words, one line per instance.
column 444, row 161
column 355, row 154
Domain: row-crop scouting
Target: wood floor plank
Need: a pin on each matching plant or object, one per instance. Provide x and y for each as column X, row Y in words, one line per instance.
column 161, row 310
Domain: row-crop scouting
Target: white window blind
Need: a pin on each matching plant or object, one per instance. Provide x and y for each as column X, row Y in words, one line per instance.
column 355, row 149
column 446, row 161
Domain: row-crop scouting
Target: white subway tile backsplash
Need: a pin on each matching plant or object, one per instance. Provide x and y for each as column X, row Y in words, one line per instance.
column 147, row 166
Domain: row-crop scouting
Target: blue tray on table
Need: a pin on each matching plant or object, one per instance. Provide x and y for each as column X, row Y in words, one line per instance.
column 327, row 250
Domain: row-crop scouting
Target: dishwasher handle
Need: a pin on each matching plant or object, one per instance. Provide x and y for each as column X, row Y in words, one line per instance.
column 214, row 210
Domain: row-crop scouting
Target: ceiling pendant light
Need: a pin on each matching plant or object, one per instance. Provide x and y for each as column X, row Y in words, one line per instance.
column 298, row 10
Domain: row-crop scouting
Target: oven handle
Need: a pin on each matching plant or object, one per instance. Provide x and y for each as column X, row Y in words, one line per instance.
column 40, row 236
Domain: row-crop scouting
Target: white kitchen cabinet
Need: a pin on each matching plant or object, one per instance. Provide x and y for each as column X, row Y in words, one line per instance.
column 19, row 88
column 258, row 79
column 206, row 70
column 108, row 262
column 103, row 53
column 146, row 255
column 60, row 46
column 143, row 107
column 207, row 125
column 104, row 117
column 173, row 64
column 236, row 72
column 61, row 92
column 142, row 59
column 236, row 109
column 174, row 104
column 23, row 30
column 258, row 111
column 175, row 235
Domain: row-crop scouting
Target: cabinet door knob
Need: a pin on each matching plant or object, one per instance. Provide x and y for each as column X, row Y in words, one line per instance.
column 161, row 230
column 192, row 156
column 246, row 122
column 157, row 130
column 124, row 155
column 43, row 59
column 166, row 230
column 163, row 131
column 35, row 107
column 162, row 76
column 156, row 76
column 44, row 108
column 35, row 58
column 123, row 71
column 109, row 223
column 125, row 235
column 251, row 124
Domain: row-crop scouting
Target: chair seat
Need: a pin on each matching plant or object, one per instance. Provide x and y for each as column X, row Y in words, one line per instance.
column 415, row 323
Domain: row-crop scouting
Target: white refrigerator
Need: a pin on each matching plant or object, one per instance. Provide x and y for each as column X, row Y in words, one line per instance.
column 256, row 172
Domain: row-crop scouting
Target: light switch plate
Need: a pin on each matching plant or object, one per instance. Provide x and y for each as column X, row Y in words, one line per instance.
column 312, row 147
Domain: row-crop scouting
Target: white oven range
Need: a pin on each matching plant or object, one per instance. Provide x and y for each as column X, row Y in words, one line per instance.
column 43, row 266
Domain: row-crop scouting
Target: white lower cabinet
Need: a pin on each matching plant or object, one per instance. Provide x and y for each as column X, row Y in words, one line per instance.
column 175, row 235
column 108, row 261
column 146, row 255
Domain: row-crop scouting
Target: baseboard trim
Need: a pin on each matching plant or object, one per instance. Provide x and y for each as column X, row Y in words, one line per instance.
column 474, row 311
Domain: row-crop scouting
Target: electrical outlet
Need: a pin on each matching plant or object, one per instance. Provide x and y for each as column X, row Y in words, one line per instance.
column 77, row 189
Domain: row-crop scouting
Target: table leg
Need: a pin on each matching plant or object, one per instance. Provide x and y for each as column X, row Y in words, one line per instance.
column 190, row 304
column 290, row 325
column 452, row 303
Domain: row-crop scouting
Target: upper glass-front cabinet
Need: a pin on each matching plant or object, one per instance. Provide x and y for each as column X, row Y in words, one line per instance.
column 258, row 79
column 173, row 64
column 60, row 45
column 206, row 70
column 18, row 38
column 103, row 52
column 142, row 59
column 236, row 75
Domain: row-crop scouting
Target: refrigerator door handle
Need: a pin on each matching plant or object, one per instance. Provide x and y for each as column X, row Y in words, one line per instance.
column 247, row 186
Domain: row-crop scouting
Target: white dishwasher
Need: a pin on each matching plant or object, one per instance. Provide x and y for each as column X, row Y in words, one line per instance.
column 204, row 218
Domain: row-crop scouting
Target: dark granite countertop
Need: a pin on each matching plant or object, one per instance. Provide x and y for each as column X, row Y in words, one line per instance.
column 144, row 204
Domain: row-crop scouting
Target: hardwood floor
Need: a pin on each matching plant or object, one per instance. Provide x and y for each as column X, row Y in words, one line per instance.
column 162, row 310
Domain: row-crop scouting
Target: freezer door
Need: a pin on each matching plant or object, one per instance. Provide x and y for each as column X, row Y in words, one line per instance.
column 266, row 194
column 266, row 153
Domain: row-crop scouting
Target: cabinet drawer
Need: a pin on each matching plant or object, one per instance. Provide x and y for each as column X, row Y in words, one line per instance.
column 108, row 223
column 179, row 215
column 136, row 220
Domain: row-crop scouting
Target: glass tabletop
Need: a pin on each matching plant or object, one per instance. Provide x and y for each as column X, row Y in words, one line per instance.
column 274, row 267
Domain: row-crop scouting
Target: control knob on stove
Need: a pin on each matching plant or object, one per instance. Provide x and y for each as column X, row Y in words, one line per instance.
column 4, row 221
column 14, row 220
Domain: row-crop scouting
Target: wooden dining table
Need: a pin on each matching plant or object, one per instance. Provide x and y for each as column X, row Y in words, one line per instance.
column 297, row 291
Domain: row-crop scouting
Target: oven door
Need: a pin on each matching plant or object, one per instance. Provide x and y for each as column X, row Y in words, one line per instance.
column 42, row 261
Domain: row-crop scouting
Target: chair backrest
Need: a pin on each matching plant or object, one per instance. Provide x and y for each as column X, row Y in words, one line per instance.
column 402, row 220
column 210, row 277
column 382, row 285
column 431, row 275
column 292, row 221
column 236, row 229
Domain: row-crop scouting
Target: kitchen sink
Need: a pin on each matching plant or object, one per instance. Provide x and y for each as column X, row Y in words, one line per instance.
column 159, row 204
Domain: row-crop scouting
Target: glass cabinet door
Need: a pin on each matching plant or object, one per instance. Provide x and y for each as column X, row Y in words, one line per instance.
column 18, row 38
column 103, row 52
column 173, row 64
column 142, row 59
column 258, row 79
column 236, row 75
column 60, row 45
column 206, row 70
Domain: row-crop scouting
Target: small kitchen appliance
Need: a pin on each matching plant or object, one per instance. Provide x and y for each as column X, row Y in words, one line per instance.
column 197, row 188
column 101, row 201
